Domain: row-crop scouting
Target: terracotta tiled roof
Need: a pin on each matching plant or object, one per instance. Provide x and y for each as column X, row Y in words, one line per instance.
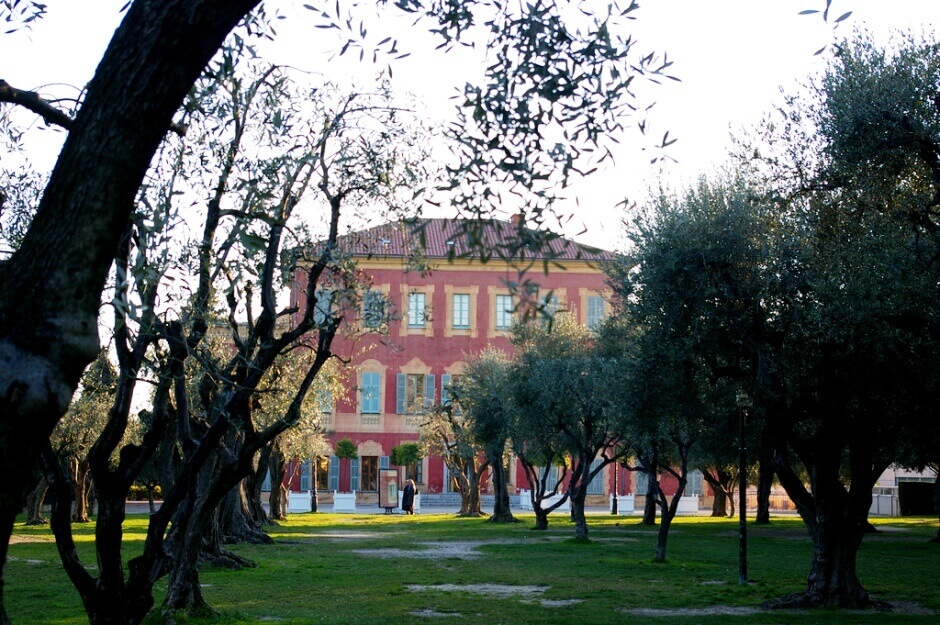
column 441, row 238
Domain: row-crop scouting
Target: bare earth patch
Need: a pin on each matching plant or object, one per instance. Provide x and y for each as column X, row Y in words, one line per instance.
column 723, row 610
column 433, row 614
column 15, row 540
column 899, row 607
column 464, row 550
column 32, row 562
column 499, row 591
column 909, row 607
column 556, row 603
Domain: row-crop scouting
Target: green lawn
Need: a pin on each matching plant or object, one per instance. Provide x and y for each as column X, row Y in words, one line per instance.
column 327, row 568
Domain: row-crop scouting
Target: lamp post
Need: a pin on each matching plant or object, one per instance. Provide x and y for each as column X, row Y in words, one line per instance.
column 314, row 500
column 743, row 402
column 613, row 502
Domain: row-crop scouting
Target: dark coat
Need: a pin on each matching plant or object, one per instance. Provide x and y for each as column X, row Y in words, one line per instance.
column 408, row 498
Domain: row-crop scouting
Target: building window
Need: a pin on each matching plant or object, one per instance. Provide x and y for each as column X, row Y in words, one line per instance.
column 693, row 485
column 369, row 473
column 324, row 473
column 415, row 472
column 461, row 305
column 325, row 401
column 503, row 312
column 551, row 480
column 642, row 482
column 305, row 475
column 373, row 309
column 414, row 393
column 596, row 487
column 448, row 381
column 416, row 304
column 550, row 308
column 334, row 473
column 354, row 474
column 323, row 308
column 371, row 392
column 595, row 311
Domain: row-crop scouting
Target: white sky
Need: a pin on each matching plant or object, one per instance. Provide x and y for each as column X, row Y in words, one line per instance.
column 731, row 55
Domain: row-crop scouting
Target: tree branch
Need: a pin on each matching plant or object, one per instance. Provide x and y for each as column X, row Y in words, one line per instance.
column 34, row 102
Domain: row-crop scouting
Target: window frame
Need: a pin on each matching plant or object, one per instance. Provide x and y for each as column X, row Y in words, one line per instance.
column 412, row 387
column 368, row 474
column 501, row 316
column 372, row 299
column 462, row 312
column 417, row 310
column 593, row 318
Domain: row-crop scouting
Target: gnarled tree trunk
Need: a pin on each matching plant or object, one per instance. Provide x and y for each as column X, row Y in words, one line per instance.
column 501, row 509
column 235, row 523
column 34, row 503
column 765, row 479
column 253, row 484
column 277, row 465
column 78, row 474
column 836, row 519
column 649, row 507
column 721, row 482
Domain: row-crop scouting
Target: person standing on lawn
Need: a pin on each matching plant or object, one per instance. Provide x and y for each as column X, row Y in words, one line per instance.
column 408, row 497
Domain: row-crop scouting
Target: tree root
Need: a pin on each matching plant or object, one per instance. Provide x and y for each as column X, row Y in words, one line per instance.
column 808, row 601
column 224, row 559
column 249, row 536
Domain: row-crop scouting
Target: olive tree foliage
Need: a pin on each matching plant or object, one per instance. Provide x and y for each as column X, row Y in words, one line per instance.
column 49, row 303
column 75, row 434
column 561, row 391
column 17, row 14
column 305, row 439
column 447, row 431
column 690, row 328
column 856, row 166
column 214, row 364
column 481, row 392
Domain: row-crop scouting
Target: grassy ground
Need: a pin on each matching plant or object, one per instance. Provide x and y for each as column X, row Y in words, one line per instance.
column 430, row 568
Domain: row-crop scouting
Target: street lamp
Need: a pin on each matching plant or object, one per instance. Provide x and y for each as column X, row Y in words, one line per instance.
column 613, row 502
column 744, row 402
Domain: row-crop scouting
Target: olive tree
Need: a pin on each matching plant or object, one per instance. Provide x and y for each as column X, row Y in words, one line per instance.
column 557, row 71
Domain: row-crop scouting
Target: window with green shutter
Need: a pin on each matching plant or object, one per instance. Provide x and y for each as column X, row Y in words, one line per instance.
column 354, row 474
column 371, row 392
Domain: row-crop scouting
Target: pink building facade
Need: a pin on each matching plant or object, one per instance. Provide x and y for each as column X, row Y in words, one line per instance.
column 441, row 318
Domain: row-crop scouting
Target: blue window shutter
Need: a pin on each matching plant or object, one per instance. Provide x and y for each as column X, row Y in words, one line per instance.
column 428, row 392
column 383, row 462
column 354, row 474
column 400, row 393
column 334, row 473
column 445, row 389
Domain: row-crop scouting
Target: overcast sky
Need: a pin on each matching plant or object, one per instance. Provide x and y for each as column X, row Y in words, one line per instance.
column 732, row 57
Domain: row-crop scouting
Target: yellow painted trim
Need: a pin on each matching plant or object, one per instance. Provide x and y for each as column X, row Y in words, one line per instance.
column 570, row 266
